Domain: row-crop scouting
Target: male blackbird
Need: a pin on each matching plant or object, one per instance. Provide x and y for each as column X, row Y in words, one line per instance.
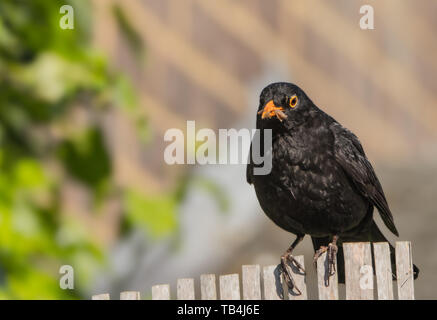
column 321, row 182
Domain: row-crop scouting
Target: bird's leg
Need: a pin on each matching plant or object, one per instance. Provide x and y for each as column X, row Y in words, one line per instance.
column 331, row 250
column 287, row 256
column 332, row 253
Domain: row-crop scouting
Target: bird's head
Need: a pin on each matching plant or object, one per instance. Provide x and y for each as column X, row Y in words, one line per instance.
column 282, row 104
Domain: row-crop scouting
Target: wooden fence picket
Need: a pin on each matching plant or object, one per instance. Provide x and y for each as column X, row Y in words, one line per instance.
column 251, row 278
column 272, row 283
column 103, row 296
column 358, row 271
column 185, row 289
column 230, row 287
column 161, row 292
column 404, row 270
column 383, row 271
column 130, row 295
column 208, row 288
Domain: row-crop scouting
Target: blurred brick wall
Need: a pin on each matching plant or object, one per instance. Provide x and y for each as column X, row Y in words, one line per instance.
column 202, row 57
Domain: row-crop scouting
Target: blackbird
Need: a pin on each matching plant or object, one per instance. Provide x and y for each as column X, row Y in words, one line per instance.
column 321, row 183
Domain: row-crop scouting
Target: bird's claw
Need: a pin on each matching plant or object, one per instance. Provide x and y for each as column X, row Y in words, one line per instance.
column 288, row 277
column 331, row 252
column 296, row 263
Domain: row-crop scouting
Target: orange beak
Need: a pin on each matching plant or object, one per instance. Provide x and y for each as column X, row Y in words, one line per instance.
column 271, row 110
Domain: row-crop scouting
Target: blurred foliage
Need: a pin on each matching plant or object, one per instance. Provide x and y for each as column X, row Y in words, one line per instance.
column 155, row 214
column 214, row 190
column 131, row 36
column 86, row 158
column 45, row 74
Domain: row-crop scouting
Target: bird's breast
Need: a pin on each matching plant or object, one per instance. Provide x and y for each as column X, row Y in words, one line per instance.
column 307, row 190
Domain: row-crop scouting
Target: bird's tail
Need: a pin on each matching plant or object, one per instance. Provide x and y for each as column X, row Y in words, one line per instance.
column 375, row 235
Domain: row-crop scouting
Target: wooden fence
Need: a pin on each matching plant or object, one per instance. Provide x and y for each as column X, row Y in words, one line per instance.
column 268, row 284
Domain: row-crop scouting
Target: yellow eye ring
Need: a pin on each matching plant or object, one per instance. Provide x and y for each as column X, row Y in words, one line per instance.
column 293, row 101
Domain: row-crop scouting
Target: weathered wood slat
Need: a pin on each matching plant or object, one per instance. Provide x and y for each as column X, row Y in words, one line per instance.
column 358, row 271
column 404, row 270
column 229, row 287
column 272, row 283
column 328, row 290
column 383, row 271
column 185, row 289
column 161, row 292
column 103, row 296
column 251, row 277
column 130, row 295
column 208, row 288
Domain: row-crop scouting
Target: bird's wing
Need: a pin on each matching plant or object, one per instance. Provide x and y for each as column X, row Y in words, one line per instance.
column 350, row 155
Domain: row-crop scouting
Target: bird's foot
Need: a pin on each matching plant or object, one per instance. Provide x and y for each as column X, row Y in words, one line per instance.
column 331, row 251
column 287, row 273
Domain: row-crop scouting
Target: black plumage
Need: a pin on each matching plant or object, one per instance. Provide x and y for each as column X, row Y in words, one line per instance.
column 321, row 183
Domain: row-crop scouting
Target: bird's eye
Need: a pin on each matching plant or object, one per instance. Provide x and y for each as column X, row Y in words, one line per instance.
column 293, row 101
